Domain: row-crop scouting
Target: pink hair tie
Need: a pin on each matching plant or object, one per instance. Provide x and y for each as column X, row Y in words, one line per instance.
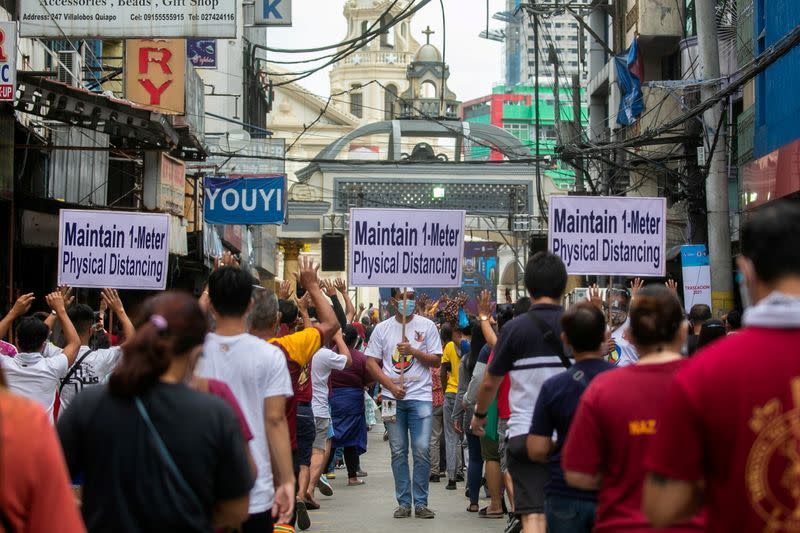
column 159, row 322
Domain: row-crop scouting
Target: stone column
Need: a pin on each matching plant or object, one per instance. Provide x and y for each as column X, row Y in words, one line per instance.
column 291, row 253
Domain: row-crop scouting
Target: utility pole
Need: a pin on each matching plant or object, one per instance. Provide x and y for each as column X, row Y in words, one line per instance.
column 580, row 185
column 553, row 58
column 536, row 111
column 719, row 238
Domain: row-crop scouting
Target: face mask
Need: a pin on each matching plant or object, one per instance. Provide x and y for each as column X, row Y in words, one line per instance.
column 406, row 307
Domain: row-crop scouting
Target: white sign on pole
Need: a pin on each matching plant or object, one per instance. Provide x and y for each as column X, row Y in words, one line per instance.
column 8, row 61
column 696, row 275
column 624, row 236
column 273, row 13
column 146, row 19
column 406, row 247
column 113, row 249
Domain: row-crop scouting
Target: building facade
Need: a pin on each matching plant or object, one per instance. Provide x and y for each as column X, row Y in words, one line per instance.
column 514, row 110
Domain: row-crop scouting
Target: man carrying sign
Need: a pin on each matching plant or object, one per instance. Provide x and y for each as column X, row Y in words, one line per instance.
column 407, row 407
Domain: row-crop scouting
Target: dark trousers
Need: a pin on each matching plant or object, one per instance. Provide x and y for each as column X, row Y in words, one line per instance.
column 569, row 515
column 259, row 523
column 474, row 468
column 352, row 461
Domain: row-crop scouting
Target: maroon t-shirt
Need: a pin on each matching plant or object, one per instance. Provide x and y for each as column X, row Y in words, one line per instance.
column 355, row 376
column 732, row 418
column 616, row 420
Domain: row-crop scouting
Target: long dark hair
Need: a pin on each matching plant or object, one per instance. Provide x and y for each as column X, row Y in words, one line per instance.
column 476, row 345
column 169, row 325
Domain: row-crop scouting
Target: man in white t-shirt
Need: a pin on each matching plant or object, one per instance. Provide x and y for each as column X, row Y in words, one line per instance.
column 30, row 374
column 323, row 362
column 257, row 374
column 407, row 392
column 92, row 367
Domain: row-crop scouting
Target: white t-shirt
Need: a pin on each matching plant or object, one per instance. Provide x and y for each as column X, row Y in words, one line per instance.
column 625, row 354
column 322, row 363
column 254, row 370
column 35, row 377
column 422, row 335
column 92, row 371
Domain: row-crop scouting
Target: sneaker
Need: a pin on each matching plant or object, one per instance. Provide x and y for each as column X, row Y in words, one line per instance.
column 402, row 512
column 361, row 473
column 424, row 512
column 434, row 478
column 460, row 476
column 325, row 487
column 330, row 475
column 451, row 485
column 514, row 525
column 303, row 520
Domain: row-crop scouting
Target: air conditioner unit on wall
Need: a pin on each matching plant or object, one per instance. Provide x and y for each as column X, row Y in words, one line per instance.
column 70, row 68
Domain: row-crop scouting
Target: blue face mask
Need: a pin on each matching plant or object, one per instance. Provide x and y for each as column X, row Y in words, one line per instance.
column 408, row 308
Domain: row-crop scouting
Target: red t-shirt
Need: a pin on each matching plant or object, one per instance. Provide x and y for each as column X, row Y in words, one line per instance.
column 503, row 407
column 732, row 418
column 35, row 493
column 616, row 420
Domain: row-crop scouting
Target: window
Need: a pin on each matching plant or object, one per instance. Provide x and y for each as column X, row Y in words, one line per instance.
column 403, row 29
column 356, row 101
column 364, row 26
column 389, row 97
column 520, row 131
column 387, row 33
column 428, row 89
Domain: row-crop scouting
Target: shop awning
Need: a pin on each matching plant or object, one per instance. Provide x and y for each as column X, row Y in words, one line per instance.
column 131, row 125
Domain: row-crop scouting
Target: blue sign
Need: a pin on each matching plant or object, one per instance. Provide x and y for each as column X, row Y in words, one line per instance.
column 694, row 255
column 246, row 200
column 202, row 52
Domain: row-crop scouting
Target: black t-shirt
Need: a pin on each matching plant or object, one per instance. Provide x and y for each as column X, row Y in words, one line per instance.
column 524, row 354
column 555, row 407
column 126, row 483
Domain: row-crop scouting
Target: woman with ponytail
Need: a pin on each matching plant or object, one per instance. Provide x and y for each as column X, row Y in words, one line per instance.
column 154, row 454
column 618, row 416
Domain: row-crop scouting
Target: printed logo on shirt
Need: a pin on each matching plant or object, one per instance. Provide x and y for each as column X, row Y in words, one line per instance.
column 638, row 428
column 772, row 472
column 399, row 362
column 419, row 336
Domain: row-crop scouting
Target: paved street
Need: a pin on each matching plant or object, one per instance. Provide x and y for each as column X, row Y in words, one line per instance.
column 370, row 506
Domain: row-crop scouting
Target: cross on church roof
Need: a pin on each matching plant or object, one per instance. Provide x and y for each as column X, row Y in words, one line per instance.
column 428, row 31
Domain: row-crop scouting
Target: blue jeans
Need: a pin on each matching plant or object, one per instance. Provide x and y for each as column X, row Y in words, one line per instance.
column 474, row 468
column 414, row 418
column 569, row 515
column 452, row 439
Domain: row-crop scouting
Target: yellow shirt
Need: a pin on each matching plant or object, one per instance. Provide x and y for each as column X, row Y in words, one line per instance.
column 451, row 356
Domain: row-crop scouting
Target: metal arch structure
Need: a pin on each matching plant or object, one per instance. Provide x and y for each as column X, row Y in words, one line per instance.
column 463, row 132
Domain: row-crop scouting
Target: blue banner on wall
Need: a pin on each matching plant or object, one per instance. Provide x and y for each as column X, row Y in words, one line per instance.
column 202, row 52
column 247, row 200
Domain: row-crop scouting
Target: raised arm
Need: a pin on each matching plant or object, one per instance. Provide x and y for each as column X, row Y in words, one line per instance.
column 330, row 291
column 72, row 341
column 307, row 277
column 302, row 308
column 485, row 317
column 20, row 307
column 349, row 308
column 112, row 299
column 342, row 349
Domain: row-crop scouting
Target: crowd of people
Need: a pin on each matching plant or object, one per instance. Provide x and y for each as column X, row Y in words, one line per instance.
column 625, row 412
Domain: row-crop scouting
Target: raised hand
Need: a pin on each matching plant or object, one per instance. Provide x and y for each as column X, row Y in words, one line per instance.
column 228, row 259
column 307, row 274
column 327, row 287
column 340, row 285
column 303, row 303
column 672, row 285
column 636, row 286
column 286, row 290
column 56, row 301
column 422, row 304
column 113, row 301
column 66, row 292
column 22, row 305
column 485, row 304
column 595, row 296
